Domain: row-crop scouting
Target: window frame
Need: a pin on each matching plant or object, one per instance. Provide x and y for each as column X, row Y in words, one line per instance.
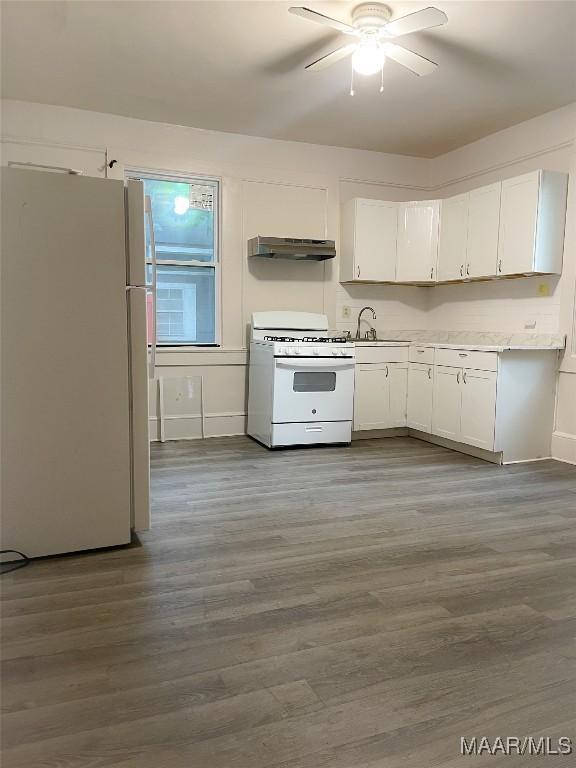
column 179, row 176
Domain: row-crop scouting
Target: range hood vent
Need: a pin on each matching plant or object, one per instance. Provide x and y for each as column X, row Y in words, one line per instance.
column 294, row 248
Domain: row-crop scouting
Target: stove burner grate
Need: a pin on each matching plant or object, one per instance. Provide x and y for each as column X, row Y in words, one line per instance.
column 309, row 339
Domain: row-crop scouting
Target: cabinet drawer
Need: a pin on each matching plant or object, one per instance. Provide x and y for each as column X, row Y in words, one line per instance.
column 465, row 358
column 367, row 354
column 419, row 354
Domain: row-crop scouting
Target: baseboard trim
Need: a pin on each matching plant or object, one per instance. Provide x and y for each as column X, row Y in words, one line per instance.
column 564, row 447
column 470, row 450
column 370, row 434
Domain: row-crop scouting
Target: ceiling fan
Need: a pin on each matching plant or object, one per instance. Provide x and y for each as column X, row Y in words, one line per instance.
column 373, row 29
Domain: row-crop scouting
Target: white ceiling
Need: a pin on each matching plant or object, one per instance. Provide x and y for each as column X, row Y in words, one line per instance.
column 239, row 67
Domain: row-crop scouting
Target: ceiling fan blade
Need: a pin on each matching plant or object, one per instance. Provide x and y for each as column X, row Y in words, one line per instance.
column 332, row 58
column 412, row 61
column 319, row 18
column 415, row 22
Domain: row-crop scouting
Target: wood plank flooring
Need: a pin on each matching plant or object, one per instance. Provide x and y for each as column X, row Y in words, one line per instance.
column 361, row 607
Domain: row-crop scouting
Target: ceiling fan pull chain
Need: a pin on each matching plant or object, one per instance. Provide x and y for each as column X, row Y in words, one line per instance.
column 352, row 81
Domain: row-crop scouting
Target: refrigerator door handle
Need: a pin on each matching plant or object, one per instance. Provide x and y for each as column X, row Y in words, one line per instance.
column 153, row 285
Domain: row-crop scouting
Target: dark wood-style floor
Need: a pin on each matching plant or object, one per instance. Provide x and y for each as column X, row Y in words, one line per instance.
column 358, row 607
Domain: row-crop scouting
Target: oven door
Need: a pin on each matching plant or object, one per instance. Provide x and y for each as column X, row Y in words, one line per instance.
column 313, row 389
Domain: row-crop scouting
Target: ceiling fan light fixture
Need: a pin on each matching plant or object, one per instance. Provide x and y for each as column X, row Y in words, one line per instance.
column 368, row 58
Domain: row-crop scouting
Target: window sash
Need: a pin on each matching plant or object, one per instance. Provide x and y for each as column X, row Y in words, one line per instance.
column 213, row 264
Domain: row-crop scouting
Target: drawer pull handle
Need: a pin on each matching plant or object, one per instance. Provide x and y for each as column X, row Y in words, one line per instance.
column 358, row 271
column 458, row 377
column 464, row 377
column 386, row 371
column 429, row 373
column 463, row 354
column 462, row 270
column 500, row 265
column 468, row 269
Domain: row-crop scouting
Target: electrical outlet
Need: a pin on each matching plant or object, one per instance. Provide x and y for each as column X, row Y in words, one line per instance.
column 530, row 325
column 346, row 313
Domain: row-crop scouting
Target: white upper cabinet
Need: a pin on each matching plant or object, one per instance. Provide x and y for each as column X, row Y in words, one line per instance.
column 369, row 231
column 532, row 219
column 513, row 227
column 483, row 225
column 417, row 241
column 452, row 238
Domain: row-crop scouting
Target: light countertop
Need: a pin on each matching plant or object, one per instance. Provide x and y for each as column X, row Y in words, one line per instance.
column 478, row 341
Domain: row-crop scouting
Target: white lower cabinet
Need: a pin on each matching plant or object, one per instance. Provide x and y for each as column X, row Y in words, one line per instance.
column 380, row 395
column 398, row 393
column 464, row 406
column 420, row 390
column 447, row 402
column 478, row 411
column 499, row 401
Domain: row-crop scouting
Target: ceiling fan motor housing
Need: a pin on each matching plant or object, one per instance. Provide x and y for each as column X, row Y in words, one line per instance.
column 371, row 16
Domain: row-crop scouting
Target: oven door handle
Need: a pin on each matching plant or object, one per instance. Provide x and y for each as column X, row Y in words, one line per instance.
column 328, row 363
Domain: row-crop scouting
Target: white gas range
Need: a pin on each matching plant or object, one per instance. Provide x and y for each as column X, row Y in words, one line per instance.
column 301, row 385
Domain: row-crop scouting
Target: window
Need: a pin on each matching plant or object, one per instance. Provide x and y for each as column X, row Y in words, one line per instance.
column 185, row 213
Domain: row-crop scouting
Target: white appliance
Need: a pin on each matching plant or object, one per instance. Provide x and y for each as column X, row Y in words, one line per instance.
column 75, row 450
column 301, row 381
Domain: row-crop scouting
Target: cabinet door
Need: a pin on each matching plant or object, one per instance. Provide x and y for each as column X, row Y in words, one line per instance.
column 375, row 240
column 452, row 238
column 398, row 375
column 483, row 224
column 478, row 408
column 372, row 397
column 420, row 383
column 417, row 241
column 447, row 402
column 518, row 213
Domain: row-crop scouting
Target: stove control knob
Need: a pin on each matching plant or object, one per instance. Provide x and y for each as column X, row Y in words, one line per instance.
column 297, row 351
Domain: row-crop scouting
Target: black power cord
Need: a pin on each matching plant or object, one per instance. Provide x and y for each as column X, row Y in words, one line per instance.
column 13, row 565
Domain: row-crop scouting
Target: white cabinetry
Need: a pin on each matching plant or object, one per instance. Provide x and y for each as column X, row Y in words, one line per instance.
column 510, row 228
column 478, row 411
column 532, row 218
column 501, row 402
column 381, row 386
column 417, row 242
column 452, row 238
column 420, row 388
column 483, row 224
column 369, row 231
column 447, row 402
column 465, row 406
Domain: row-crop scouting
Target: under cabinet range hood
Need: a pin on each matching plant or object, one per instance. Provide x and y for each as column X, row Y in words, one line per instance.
column 294, row 248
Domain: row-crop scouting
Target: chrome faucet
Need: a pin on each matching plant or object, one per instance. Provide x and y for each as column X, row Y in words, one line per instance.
column 372, row 331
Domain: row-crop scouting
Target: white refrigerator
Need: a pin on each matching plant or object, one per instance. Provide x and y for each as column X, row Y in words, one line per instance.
column 74, row 362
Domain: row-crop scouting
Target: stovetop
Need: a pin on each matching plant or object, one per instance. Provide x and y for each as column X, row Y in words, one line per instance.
column 309, row 339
